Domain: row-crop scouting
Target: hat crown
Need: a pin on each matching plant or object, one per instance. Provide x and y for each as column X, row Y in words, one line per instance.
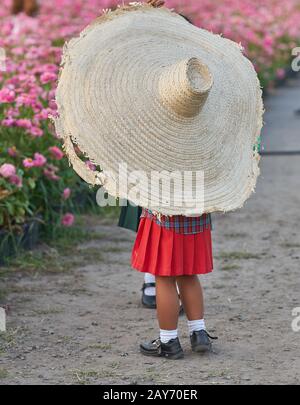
column 185, row 86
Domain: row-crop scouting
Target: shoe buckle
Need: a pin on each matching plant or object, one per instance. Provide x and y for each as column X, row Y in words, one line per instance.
column 157, row 344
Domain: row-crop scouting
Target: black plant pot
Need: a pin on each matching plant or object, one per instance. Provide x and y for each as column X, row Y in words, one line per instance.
column 11, row 243
column 8, row 246
column 30, row 237
column 84, row 200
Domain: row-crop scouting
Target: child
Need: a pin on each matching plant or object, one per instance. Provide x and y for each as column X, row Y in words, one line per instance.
column 143, row 87
column 184, row 250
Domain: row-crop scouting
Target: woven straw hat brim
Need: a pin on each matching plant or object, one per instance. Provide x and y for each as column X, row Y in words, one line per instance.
column 110, row 104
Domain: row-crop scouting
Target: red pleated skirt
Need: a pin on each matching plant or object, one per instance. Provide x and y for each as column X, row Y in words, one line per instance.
column 163, row 252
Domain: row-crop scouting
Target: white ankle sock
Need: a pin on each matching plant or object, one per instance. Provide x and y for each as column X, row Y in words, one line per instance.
column 167, row 335
column 149, row 278
column 195, row 325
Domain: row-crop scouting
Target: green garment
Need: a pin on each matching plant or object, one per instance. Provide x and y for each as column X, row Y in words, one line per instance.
column 130, row 217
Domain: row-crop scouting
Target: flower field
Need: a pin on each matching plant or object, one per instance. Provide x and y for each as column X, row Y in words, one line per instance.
column 35, row 178
column 268, row 30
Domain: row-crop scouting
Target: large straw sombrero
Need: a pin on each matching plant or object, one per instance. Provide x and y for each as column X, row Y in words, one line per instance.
column 143, row 87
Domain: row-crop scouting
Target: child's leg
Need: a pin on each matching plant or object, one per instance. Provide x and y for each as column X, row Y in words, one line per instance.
column 167, row 302
column 192, row 298
column 168, row 344
column 191, row 295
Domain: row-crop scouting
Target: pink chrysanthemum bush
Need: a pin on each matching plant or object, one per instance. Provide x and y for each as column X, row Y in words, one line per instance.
column 35, row 178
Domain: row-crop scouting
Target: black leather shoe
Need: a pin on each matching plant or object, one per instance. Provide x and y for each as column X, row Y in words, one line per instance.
column 171, row 350
column 201, row 341
column 148, row 301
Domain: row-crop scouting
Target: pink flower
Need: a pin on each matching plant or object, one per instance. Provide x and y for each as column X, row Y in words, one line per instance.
column 16, row 180
column 90, row 165
column 36, row 132
column 53, row 168
column 39, row 160
column 280, row 74
column 66, row 193
column 7, row 96
column 48, row 77
column 12, row 151
column 18, row 51
column 26, row 99
column 268, row 41
column 12, row 112
column 43, row 114
column 7, row 170
column 28, row 163
column 24, row 123
column 8, row 122
column 49, row 172
column 52, row 104
column 68, row 220
column 56, row 152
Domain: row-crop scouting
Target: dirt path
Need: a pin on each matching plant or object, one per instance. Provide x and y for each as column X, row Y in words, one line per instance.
column 83, row 325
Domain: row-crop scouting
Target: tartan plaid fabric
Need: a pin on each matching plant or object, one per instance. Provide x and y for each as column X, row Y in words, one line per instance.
column 179, row 223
